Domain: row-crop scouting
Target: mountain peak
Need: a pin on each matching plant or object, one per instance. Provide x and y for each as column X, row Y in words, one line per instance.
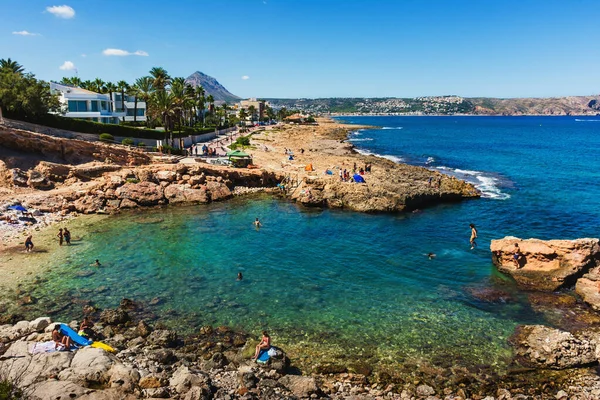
column 211, row 86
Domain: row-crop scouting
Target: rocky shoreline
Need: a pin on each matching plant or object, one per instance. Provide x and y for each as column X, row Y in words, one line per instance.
column 60, row 181
column 214, row 363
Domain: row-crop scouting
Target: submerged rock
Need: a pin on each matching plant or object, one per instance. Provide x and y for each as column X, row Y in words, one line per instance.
column 542, row 347
column 545, row 265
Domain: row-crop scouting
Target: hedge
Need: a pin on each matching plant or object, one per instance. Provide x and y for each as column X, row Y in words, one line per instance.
column 83, row 126
column 106, row 137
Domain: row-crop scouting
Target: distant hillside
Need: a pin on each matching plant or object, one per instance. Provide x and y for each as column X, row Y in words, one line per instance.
column 446, row 105
column 211, row 86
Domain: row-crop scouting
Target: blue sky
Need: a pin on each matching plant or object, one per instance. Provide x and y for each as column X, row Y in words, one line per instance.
column 317, row 48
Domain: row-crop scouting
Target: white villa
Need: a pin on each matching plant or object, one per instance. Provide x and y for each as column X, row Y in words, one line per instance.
column 97, row 107
column 130, row 107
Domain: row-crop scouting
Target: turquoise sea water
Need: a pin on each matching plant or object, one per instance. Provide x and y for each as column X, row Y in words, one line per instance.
column 350, row 282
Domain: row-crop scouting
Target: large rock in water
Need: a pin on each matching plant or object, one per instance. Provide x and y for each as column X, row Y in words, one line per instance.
column 542, row 347
column 588, row 287
column 546, row 265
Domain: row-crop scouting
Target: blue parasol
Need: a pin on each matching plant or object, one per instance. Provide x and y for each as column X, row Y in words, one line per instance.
column 18, row 207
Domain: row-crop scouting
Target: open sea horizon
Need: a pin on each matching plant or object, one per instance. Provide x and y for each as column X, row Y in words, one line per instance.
column 331, row 283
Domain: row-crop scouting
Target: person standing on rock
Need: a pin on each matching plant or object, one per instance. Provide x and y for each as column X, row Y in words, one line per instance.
column 473, row 236
column 60, row 237
column 517, row 256
column 28, row 244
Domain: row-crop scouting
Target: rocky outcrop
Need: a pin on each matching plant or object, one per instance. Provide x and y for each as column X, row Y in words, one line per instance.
column 542, row 347
column 70, row 151
column 545, row 265
column 398, row 188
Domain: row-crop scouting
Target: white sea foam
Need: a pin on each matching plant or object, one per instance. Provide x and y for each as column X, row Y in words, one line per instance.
column 488, row 185
column 587, row 120
column 392, row 127
column 360, row 140
column 430, row 160
column 386, row 156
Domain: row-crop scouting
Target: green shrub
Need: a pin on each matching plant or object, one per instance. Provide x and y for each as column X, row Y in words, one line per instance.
column 132, row 180
column 127, row 142
column 243, row 141
column 171, row 150
column 106, row 137
column 141, row 144
column 9, row 390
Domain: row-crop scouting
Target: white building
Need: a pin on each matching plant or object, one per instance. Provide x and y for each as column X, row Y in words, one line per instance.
column 85, row 104
column 130, row 107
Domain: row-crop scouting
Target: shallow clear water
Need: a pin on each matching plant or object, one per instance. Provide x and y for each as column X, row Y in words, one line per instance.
column 351, row 282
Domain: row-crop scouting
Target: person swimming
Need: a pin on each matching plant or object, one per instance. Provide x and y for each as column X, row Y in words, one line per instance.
column 96, row 264
column 257, row 223
column 431, row 256
column 239, row 276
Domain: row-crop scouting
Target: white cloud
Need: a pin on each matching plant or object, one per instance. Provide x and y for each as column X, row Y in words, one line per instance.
column 67, row 66
column 122, row 53
column 245, row 77
column 61, row 11
column 84, row 55
column 25, row 33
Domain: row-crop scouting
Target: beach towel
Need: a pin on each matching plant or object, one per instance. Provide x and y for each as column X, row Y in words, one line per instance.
column 263, row 357
column 43, row 347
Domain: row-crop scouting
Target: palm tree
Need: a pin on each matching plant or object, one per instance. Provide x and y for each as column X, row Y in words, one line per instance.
column 122, row 86
column 12, row 66
column 145, row 90
column 200, row 101
column 110, row 88
column 243, row 116
column 98, row 85
column 252, row 112
column 161, row 78
column 163, row 105
column 86, row 85
column 211, row 103
column 134, row 91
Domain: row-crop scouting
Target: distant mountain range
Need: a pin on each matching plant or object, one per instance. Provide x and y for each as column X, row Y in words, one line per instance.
column 446, row 105
column 432, row 105
column 212, row 87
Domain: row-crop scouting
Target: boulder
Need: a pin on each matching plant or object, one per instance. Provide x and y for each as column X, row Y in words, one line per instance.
column 546, row 265
column 37, row 180
column 176, row 193
column 123, row 377
column 183, row 379
column 218, row 191
column 53, row 389
column 538, row 346
column 18, row 177
column 89, row 367
column 114, row 317
column 588, row 287
column 162, row 356
column 89, row 204
column 143, row 193
column 39, row 324
column 301, row 386
column 151, row 382
column 163, row 338
column 168, row 176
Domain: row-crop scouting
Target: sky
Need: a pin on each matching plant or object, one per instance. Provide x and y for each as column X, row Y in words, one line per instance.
column 317, row 48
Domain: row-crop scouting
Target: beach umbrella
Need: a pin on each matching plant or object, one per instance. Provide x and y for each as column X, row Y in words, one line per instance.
column 18, row 207
column 358, row 178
